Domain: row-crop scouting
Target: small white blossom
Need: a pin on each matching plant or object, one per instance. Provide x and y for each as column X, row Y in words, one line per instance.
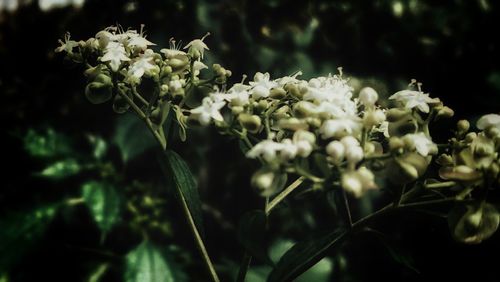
column 420, row 143
column 198, row 46
column 142, row 65
column 115, row 54
column 262, row 85
column 414, row 99
column 337, row 128
column 67, row 45
column 239, row 95
column 197, row 67
column 359, row 181
column 138, row 42
column 490, row 120
column 207, row 111
column 368, row 96
column 267, row 149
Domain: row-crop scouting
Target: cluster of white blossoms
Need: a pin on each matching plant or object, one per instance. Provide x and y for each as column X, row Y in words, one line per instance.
column 289, row 119
column 287, row 123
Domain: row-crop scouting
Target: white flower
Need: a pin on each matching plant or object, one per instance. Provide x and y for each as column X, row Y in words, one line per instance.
column 288, row 79
column 267, row 149
column 208, row 110
column 490, row 120
column 359, row 181
column 139, row 42
column 262, row 85
column 198, row 46
column 414, row 99
column 143, row 64
column 238, row 94
column 368, row 96
column 197, row 67
column 173, row 53
column 288, row 150
column 328, row 89
column 115, row 53
column 420, row 143
column 340, row 127
column 67, row 45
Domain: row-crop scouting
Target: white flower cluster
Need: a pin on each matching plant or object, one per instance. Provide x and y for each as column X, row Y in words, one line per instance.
column 294, row 118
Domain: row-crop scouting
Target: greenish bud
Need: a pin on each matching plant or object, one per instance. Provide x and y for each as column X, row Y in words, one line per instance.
column 262, row 105
column 473, row 223
column 445, row 112
column 394, row 114
column 277, row 93
column 282, row 112
column 444, row 160
column 100, row 90
column 463, row 126
column 237, row 110
column 470, row 137
column 293, row 124
column 396, row 144
column 252, row 123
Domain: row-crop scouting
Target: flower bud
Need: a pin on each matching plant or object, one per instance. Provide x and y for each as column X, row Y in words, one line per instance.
column 372, row 118
column 354, row 154
column 304, row 109
column 352, row 184
column 470, row 136
column 305, row 135
column 368, row 96
column 100, row 90
column 444, row 160
column 445, row 112
column 396, row 144
column 463, row 126
column 293, row 124
column 277, row 93
column 250, row 122
column 336, row 151
column 236, row 110
column 395, row 114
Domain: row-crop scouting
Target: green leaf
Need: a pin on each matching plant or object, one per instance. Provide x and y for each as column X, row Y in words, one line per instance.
column 252, row 234
column 99, row 146
column 103, row 201
column 61, row 169
column 187, row 190
column 146, row 263
column 303, row 255
column 20, row 231
column 46, row 145
column 132, row 137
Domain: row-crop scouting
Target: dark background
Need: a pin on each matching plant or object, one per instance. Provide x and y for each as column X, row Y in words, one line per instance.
column 450, row 46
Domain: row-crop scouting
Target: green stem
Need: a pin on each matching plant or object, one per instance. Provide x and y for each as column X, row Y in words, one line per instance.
column 281, row 196
column 197, row 237
column 199, row 241
column 244, row 266
column 148, row 122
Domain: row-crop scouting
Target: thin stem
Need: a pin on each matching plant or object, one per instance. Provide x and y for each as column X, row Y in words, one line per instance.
column 347, row 208
column 281, row 196
column 138, row 96
column 198, row 239
column 398, row 199
column 244, row 266
column 148, row 122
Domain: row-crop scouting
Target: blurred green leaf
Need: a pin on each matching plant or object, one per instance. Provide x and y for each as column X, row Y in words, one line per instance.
column 303, row 255
column 46, row 145
column 103, row 202
column 252, row 234
column 98, row 273
column 146, row 263
column 20, row 231
column 132, row 136
column 187, row 190
column 99, row 146
column 61, row 169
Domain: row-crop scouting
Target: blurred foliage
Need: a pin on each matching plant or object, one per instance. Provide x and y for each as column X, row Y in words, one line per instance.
column 55, row 140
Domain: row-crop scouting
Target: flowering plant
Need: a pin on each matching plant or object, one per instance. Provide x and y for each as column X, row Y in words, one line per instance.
column 317, row 135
